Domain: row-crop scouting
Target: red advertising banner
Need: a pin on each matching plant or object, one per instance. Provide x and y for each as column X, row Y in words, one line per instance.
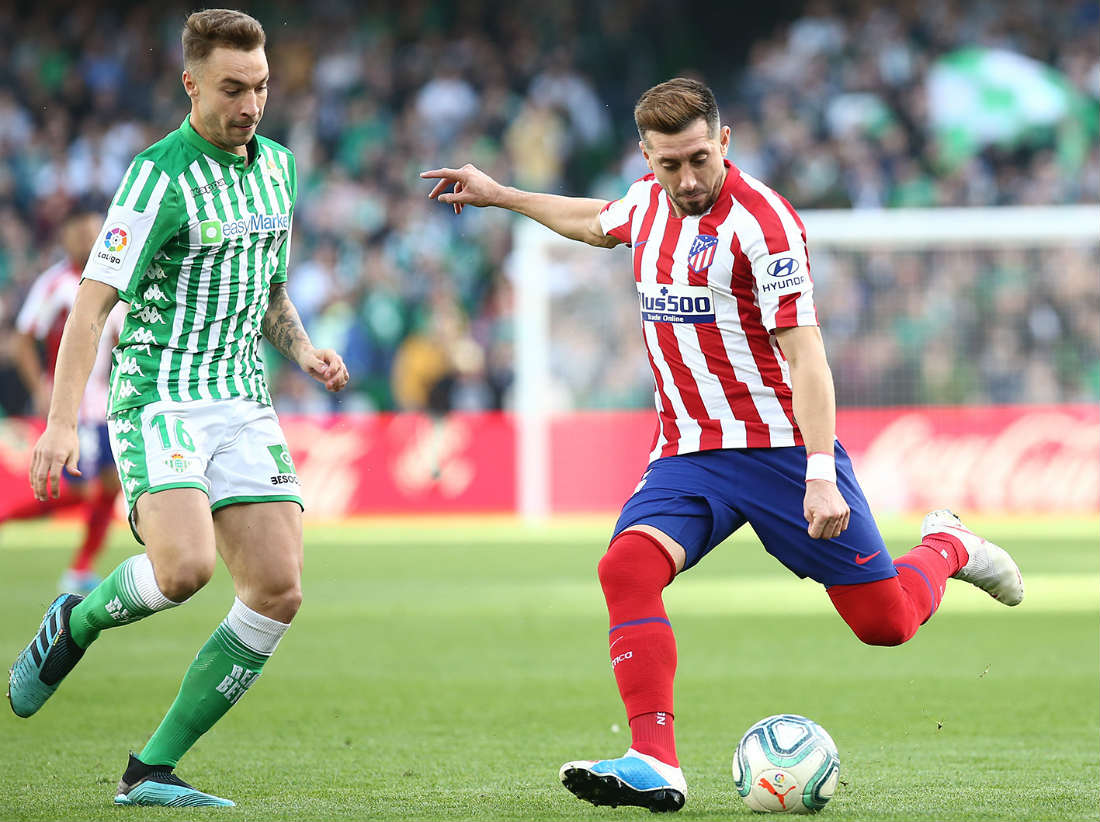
column 988, row 459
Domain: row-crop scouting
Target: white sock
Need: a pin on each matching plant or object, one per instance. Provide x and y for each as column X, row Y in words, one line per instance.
column 259, row 633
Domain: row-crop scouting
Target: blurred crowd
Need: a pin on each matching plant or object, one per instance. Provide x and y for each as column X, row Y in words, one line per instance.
column 829, row 103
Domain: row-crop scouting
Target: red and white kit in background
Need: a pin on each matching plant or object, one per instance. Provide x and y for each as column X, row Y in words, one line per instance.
column 713, row 288
column 43, row 317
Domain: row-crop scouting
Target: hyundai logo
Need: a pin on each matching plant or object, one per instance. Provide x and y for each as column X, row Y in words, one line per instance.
column 783, row 267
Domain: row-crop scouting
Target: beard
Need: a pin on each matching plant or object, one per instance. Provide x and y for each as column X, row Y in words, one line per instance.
column 697, row 206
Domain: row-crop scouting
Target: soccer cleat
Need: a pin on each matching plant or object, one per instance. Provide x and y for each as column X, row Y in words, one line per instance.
column 41, row 666
column 156, row 785
column 633, row 779
column 990, row 567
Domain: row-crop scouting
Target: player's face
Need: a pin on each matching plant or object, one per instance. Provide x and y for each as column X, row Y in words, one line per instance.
column 688, row 165
column 228, row 91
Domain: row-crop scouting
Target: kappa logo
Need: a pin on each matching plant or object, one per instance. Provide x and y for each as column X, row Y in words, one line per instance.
column 129, row 367
column 124, row 427
column 154, row 292
column 142, row 335
column 131, row 484
column 149, row 314
column 126, row 464
column 126, row 389
column 124, row 446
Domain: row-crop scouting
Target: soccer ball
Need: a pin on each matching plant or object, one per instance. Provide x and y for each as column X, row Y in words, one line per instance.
column 786, row 764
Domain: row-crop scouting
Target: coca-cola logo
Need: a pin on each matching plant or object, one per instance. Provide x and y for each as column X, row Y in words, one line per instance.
column 1043, row 460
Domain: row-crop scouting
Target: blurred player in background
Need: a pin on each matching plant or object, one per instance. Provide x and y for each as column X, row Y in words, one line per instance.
column 38, row 328
column 746, row 426
column 196, row 241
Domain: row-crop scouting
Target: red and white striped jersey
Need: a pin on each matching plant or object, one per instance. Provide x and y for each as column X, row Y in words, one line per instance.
column 43, row 316
column 713, row 289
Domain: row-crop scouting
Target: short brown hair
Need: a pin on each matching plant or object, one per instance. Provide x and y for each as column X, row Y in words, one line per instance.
column 205, row 30
column 672, row 106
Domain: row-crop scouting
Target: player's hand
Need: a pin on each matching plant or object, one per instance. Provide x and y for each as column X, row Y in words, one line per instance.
column 57, row 448
column 825, row 510
column 472, row 186
column 325, row 366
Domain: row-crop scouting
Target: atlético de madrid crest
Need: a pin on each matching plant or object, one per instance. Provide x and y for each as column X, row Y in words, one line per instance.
column 702, row 251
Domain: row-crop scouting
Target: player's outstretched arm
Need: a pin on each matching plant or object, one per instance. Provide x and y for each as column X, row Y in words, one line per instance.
column 814, row 403
column 283, row 328
column 58, row 446
column 577, row 218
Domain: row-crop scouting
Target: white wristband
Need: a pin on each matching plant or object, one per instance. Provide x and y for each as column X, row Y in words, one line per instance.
column 821, row 466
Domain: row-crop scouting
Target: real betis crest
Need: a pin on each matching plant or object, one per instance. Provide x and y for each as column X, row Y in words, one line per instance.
column 177, row 462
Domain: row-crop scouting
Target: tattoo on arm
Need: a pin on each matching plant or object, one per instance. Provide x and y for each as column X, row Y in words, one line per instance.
column 282, row 325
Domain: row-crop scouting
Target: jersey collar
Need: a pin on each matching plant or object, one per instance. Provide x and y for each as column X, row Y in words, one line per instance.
column 226, row 158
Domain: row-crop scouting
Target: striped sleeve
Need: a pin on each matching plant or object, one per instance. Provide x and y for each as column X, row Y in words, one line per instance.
column 779, row 259
column 36, row 316
column 291, row 171
column 146, row 212
column 617, row 217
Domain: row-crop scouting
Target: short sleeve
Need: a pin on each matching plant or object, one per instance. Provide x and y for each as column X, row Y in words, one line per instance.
column 284, row 250
column 616, row 219
column 146, row 212
column 781, row 267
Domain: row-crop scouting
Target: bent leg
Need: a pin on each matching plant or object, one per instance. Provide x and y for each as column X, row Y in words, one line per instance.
column 889, row 611
column 178, row 560
column 261, row 544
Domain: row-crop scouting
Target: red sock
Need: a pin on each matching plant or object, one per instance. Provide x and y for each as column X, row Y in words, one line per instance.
column 889, row 611
column 643, row 648
column 100, row 512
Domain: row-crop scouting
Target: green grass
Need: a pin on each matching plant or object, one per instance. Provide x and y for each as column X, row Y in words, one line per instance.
column 443, row 669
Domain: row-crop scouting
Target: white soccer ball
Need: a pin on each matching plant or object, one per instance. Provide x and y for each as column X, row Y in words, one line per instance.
column 786, row 764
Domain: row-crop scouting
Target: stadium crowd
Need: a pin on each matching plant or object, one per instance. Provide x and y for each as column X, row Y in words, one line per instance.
column 828, row 103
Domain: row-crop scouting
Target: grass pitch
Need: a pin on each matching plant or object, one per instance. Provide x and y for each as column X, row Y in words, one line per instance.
column 443, row 669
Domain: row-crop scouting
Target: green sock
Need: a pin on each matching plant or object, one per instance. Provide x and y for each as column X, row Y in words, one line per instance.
column 130, row 593
column 222, row 671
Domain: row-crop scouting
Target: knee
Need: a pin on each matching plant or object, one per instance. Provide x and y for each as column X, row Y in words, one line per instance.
column 885, row 630
column 634, row 562
column 280, row 602
column 180, row 581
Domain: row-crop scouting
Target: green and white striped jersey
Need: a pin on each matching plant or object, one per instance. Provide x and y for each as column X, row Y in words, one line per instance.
column 193, row 240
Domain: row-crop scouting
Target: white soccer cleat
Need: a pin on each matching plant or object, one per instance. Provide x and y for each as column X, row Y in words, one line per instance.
column 634, row 779
column 990, row 567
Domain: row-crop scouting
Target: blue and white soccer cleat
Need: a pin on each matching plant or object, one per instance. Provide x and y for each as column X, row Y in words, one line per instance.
column 41, row 666
column 990, row 567
column 157, row 785
column 633, row 779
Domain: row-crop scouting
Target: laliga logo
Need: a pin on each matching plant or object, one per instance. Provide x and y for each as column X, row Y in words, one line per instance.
column 783, row 267
column 115, row 240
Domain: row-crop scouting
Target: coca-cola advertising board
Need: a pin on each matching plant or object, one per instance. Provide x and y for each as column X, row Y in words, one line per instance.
column 1041, row 459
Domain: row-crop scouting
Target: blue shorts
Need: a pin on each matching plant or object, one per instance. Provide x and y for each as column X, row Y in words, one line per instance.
column 700, row 499
column 95, row 451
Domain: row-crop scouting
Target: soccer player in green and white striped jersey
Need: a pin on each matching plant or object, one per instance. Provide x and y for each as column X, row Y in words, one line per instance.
column 196, row 241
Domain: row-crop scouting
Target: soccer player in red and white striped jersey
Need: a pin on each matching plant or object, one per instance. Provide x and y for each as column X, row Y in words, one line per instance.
column 746, row 423
column 39, row 325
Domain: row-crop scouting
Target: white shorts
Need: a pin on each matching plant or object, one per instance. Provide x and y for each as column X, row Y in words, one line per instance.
column 233, row 450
